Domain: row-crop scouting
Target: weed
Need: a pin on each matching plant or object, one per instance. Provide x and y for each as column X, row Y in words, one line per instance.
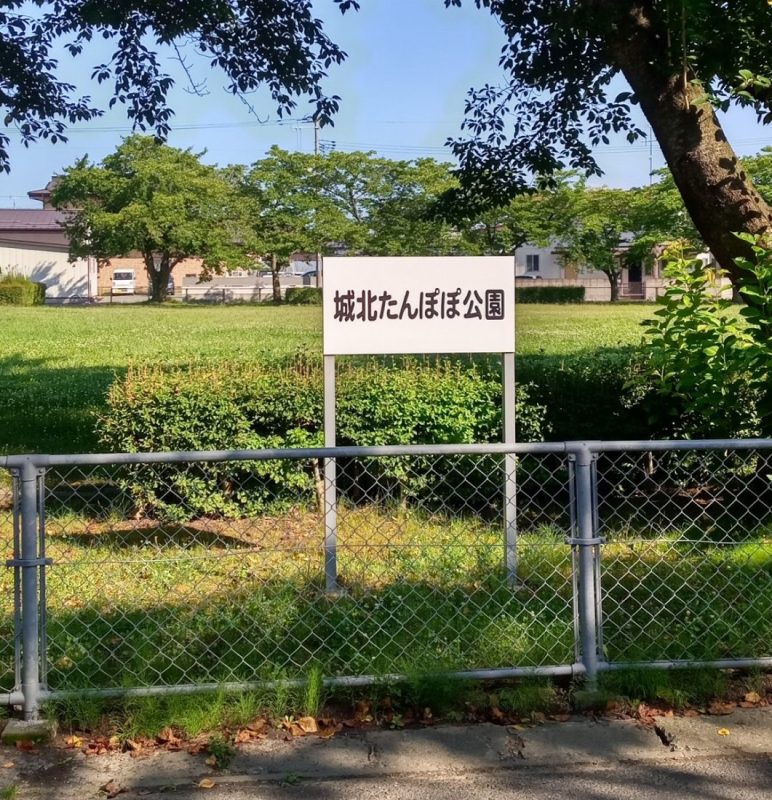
column 677, row 688
column 9, row 792
column 529, row 696
column 313, row 696
column 221, row 750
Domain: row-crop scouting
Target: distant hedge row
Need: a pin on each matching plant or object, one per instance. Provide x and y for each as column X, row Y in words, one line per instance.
column 16, row 290
column 549, row 294
column 303, row 296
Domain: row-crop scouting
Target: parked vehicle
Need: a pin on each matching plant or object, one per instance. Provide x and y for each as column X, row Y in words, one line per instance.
column 124, row 282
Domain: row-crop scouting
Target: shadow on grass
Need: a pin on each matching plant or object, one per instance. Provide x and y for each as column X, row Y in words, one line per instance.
column 47, row 408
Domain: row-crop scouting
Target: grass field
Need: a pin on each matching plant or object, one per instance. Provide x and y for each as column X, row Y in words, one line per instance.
column 135, row 601
column 56, row 364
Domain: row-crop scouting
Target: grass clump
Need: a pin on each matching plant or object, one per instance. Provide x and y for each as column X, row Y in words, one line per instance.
column 679, row 688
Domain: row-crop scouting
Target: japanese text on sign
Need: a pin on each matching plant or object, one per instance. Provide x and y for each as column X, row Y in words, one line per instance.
column 418, row 305
column 369, row 306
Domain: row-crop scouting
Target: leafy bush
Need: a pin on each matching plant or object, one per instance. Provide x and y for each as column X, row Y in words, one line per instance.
column 584, row 394
column 16, row 290
column 303, row 296
column 705, row 368
column 237, row 407
column 549, row 294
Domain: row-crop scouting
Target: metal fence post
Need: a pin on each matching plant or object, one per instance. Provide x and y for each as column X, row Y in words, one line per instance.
column 30, row 564
column 585, row 541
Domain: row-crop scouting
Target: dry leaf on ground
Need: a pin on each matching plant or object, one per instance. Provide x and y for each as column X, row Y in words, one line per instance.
column 206, row 783
column 723, row 731
column 308, row 724
column 719, row 709
column 752, row 697
column 112, row 789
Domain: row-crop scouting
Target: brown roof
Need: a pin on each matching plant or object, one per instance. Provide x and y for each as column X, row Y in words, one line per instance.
column 30, row 219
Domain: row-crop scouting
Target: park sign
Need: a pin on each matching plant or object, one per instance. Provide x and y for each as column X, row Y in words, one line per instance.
column 452, row 304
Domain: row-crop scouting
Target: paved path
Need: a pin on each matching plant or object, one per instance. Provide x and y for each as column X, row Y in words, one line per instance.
column 681, row 758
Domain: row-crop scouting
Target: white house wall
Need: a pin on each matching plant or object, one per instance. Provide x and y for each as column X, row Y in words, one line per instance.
column 63, row 279
column 550, row 267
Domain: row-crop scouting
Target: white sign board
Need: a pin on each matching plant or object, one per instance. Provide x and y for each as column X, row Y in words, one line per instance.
column 419, row 305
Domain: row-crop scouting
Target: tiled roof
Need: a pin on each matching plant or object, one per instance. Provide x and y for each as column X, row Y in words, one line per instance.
column 30, row 219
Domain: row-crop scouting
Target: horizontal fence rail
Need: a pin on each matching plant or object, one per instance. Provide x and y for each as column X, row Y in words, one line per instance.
column 152, row 573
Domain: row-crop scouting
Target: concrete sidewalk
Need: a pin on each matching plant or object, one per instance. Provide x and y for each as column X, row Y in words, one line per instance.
column 679, row 757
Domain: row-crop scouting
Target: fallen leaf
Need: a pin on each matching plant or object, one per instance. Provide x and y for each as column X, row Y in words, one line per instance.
column 206, row 783
column 211, row 761
column 560, row 717
column 258, row 726
column 723, row 731
column 752, row 697
column 167, row 736
column 26, row 747
column 131, row 745
column 719, row 709
column 243, row 736
column 114, row 742
column 497, row 713
column 9, row 765
column 690, row 712
column 112, row 789
column 538, row 717
column 296, row 730
column 308, row 724
column 73, row 741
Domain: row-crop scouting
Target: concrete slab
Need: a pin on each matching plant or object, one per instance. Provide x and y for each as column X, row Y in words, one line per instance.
column 748, row 732
column 36, row 732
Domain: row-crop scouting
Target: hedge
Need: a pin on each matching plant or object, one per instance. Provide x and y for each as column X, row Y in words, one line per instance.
column 549, row 294
column 303, row 296
column 19, row 291
column 240, row 407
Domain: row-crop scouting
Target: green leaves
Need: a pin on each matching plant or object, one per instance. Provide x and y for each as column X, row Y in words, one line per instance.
column 706, row 368
column 155, row 199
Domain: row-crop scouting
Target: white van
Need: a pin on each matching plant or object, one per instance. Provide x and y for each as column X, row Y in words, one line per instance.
column 124, row 281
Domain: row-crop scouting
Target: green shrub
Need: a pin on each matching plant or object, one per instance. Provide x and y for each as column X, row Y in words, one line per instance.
column 16, row 290
column 549, row 294
column 704, row 369
column 303, row 296
column 238, row 407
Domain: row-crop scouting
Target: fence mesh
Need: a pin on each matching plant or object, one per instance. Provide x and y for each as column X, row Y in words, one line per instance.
column 165, row 574
column 687, row 565
column 189, row 573
column 7, row 585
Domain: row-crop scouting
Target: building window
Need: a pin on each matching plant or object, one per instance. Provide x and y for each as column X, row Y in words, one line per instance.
column 532, row 262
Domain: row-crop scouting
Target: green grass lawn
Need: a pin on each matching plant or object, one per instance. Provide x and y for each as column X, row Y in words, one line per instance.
column 56, row 364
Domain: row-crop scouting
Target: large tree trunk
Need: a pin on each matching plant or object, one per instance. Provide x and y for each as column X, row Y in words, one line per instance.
column 717, row 193
column 613, row 279
column 158, row 278
column 275, row 280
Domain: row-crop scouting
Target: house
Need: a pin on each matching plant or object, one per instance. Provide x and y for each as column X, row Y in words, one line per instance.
column 548, row 266
column 33, row 244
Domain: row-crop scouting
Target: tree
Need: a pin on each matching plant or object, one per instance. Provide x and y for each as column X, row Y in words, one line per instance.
column 681, row 58
column 358, row 201
column 154, row 199
column 606, row 229
column 278, row 43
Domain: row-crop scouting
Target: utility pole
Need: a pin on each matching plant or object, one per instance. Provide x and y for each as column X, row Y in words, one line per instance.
column 316, row 153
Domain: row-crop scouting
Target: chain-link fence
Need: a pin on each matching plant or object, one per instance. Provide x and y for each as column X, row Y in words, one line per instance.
column 151, row 573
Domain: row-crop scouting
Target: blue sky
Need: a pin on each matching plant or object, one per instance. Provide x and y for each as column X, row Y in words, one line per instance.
column 403, row 87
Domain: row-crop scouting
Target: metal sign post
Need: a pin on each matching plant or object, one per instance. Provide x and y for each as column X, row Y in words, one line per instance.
column 419, row 305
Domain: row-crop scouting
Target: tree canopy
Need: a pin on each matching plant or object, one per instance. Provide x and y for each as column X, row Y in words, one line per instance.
column 682, row 60
column 154, row 199
column 275, row 43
